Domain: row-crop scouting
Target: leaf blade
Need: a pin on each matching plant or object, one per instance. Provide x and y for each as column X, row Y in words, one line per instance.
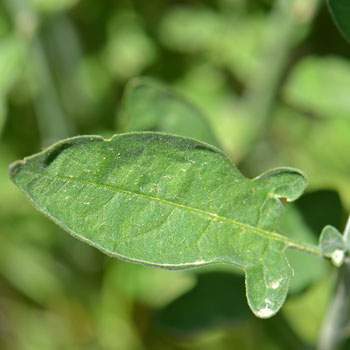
column 333, row 245
column 166, row 201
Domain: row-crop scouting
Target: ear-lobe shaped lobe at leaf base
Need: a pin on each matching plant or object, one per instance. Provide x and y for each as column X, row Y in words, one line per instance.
column 288, row 183
column 267, row 283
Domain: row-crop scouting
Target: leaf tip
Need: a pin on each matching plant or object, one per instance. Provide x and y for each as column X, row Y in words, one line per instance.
column 265, row 312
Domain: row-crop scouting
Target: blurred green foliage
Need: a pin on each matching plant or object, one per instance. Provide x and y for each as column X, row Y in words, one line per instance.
column 273, row 80
column 340, row 10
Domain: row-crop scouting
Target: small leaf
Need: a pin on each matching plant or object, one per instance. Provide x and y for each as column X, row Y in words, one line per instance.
column 330, row 240
column 332, row 245
column 340, row 10
column 168, row 201
column 150, row 106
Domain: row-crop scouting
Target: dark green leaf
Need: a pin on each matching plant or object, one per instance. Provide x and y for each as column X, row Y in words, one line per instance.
column 168, row 201
column 150, row 106
column 218, row 299
column 340, row 10
column 321, row 208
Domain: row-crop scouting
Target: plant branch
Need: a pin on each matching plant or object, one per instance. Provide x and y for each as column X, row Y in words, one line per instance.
column 334, row 330
column 346, row 234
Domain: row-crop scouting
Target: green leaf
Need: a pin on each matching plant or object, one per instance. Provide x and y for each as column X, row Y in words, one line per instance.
column 168, row 201
column 223, row 297
column 320, row 85
column 340, row 10
column 150, row 106
column 332, row 245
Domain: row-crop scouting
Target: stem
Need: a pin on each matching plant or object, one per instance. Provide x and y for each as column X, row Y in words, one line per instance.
column 335, row 327
column 333, row 332
column 346, row 234
column 306, row 247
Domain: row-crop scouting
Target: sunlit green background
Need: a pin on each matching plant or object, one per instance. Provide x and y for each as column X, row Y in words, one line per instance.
column 272, row 77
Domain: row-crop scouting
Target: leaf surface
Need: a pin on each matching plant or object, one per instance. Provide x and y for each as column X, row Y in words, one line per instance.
column 331, row 240
column 168, row 201
column 333, row 245
column 340, row 10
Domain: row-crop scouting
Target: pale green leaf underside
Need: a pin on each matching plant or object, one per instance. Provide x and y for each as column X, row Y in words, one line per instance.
column 167, row 201
column 331, row 240
column 332, row 245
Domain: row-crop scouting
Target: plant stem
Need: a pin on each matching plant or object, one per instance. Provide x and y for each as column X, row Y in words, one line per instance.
column 346, row 234
column 334, row 330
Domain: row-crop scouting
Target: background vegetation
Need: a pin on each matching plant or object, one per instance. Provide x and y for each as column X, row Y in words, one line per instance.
column 272, row 78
